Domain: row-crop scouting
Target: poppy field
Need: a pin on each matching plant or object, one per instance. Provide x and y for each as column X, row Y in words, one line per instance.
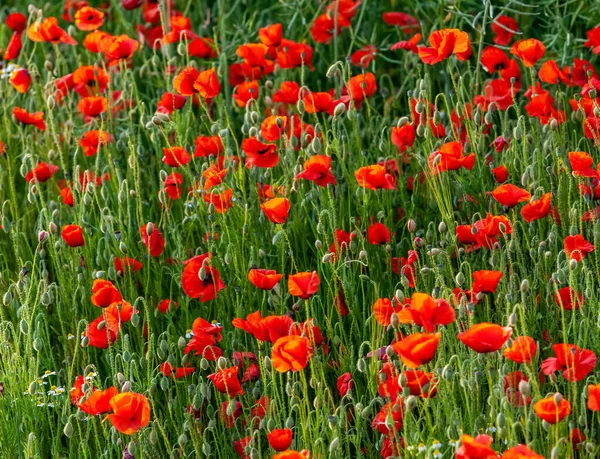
column 300, row 229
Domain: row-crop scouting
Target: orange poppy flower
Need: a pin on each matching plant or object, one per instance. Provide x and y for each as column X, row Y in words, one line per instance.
column 88, row 18
column 550, row 73
column 521, row 350
column 291, row 353
column 581, row 163
column 404, row 137
column 270, row 35
column 576, row 247
column 91, row 141
column 20, row 80
column 417, row 349
column 593, row 397
column 476, row 448
column 361, row 86
column 203, row 48
column 227, row 382
column 317, row 169
column 303, row 285
column 449, row 157
column 574, row 362
column 550, row 411
column 537, row 209
column 291, row 454
column 287, row 93
column 89, row 80
column 208, row 146
column 72, row 235
column 92, row 106
column 175, row 156
column 204, row 289
column 214, row 176
column 99, row 401
column 315, row 102
column 521, row 452
column 364, row 56
column 47, row 30
column 485, row 337
column 529, row 51
column 35, row 119
column 264, row 279
column 486, row 281
column 119, row 47
column 280, row 439
column 383, row 309
column 92, row 40
column 104, row 293
column 443, row 43
column 272, row 127
column 324, row 27
column 245, row 92
column 207, row 84
column 291, row 54
column 374, row 177
column 220, row 201
column 131, row 412
column 276, row 209
column 185, row 80
column 510, row 195
column 127, row 265
column 426, row 312
column 259, row 154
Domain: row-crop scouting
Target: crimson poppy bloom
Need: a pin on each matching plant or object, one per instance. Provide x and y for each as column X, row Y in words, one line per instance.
column 485, row 337
column 389, row 419
column 47, row 30
column 291, row 353
column 208, row 146
column 552, row 411
column 575, row 363
column 173, row 185
column 166, row 369
column 264, row 279
column 127, row 265
column 204, row 340
column 99, row 401
column 375, row 177
column 288, row 93
column 102, row 331
column 165, row 305
column 500, row 174
column 175, row 156
column 449, row 157
column 20, row 80
column 510, row 195
column 88, row 19
column 226, row 381
column 220, row 201
column 40, row 173
column 245, row 92
column 529, row 51
column 204, row 289
column 317, row 169
column 378, row 234
column 344, row 384
column 504, row 27
column 521, row 350
column 568, row 299
column 417, row 349
column 443, row 43
column 537, row 209
column 520, row 452
column 476, row 448
column 486, row 281
column 593, row 397
column 315, row 102
column 360, row 87
column 280, row 439
column 581, row 163
column 364, row 56
column 259, row 154
column 324, row 27
column 576, row 247
column 72, row 235
column 91, row 141
column 550, row 73
column 24, row 117
column 403, row 137
column 130, row 412
column 426, row 312
column 116, row 48
column 404, row 21
column 153, row 239
column 276, row 209
column 92, row 106
column 303, row 285
column 104, row 293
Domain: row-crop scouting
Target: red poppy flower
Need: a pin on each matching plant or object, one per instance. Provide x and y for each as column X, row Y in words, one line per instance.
column 170, row 102
column 485, row 337
column 272, row 127
column 40, row 173
column 581, row 163
column 360, row 87
column 317, row 169
column 575, row 363
column 500, row 174
column 204, row 289
column 374, row 177
column 166, row 369
column 426, row 312
column 389, row 419
column 510, row 195
column 417, row 349
column 344, row 384
column 449, row 157
column 537, row 209
column 276, row 209
column 226, row 381
column 521, row 350
column 207, row 84
column 119, row 47
column 47, row 30
column 291, row 454
column 364, row 56
column 104, row 293
column 287, row 93
column 303, row 285
column 165, row 305
column 494, row 59
column 131, row 412
column 593, row 40
column 260, row 154
column 13, row 49
column 17, row 22
column 270, row 35
column 408, row 45
column 127, row 265
column 550, row 411
column 291, row 353
column 315, row 102
column 405, row 22
column 504, row 27
column 443, row 43
column 280, row 439
column 204, row 340
column 550, row 73
column 220, row 201
column 476, row 448
column 486, row 281
column 102, row 331
column 576, row 247
column 72, row 235
column 324, row 28
column 36, row 119
column 378, row 234
column 568, row 299
column 99, row 401
column 529, row 51
column 185, row 80
column 264, row 279
column 404, row 137
column 91, row 141
column 20, row 80
column 92, row 40
column 208, row 146
column 92, row 106
column 88, row 18
column 173, row 185
column 521, row 452
column 245, row 92
column 175, row 156
column 153, row 239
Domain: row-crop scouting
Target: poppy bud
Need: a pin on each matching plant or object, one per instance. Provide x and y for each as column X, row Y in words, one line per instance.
column 339, row 109
column 268, row 364
column 421, row 133
column 68, row 430
column 335, row 443
column 399, row 295
column 411, row 225
column 289, row 423
column 572, row 264
column 126, row 387
column 558, row 398
column 361, row 365
column 327, row 257
column 590, row 447
column 512, row 320
column 524, row 285
column 460, row 279
column 7, row 298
